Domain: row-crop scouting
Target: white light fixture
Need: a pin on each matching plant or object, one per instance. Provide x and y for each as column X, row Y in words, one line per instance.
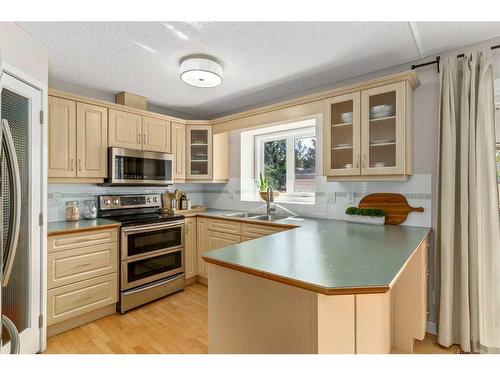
column 201, row 72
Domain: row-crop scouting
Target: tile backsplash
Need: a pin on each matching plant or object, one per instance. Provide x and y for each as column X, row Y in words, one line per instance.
column 331, row 198
column 59, row 194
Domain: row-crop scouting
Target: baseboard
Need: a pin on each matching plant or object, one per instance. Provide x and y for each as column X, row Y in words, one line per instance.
column 191, row 280
column 203, row 280
column 432, row 327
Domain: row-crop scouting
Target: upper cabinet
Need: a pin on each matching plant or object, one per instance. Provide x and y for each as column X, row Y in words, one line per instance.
column 156, row 135
column 125, row 130
column 77, row 141
column 367, row 134
column 199, row 152
column 133, row 131
column 179, row 151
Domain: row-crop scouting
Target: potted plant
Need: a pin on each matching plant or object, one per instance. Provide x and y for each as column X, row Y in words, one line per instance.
column 366, row 215
column 262, row 184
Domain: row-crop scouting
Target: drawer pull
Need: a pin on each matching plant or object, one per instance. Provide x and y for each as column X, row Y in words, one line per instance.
column 83, row 265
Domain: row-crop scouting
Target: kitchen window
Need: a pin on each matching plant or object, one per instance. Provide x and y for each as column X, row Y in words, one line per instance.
column 288, row 160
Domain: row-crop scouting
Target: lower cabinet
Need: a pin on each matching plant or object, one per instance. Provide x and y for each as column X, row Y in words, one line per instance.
column 190, row 248
column 82, row 278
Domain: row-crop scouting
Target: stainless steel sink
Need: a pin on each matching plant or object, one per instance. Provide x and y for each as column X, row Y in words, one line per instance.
column 244, row 215
column 272, row 217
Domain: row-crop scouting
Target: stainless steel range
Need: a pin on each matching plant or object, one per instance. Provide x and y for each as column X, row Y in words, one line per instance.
column 151, row 247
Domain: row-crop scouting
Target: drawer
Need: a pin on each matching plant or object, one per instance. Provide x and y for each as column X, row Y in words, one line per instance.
column 74, row 241
column 256, row 230
column 225, row 226
column 70, row 266
column 80, row 298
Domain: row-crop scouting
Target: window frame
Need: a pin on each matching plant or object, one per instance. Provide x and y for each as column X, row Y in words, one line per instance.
column 290, row 136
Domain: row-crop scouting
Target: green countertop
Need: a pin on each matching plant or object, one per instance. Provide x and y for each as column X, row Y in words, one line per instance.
column 63, row 227
column 326, row 254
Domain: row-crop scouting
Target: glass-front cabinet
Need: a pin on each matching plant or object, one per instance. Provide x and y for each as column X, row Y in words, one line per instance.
column 342, row 123
column 367, row 133
column 199, row 152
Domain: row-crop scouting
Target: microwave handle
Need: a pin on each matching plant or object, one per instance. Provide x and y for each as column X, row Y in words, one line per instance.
column 148, row 228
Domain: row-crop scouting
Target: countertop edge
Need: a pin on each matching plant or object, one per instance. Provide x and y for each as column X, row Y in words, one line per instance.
column 372, row 289
column 78, row 230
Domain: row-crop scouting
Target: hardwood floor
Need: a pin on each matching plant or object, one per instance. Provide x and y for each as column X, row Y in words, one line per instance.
column 177, row 324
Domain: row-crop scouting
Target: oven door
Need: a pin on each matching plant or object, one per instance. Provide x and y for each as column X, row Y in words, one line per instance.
column 151, row 239
column 130, row 167
column 143, row 270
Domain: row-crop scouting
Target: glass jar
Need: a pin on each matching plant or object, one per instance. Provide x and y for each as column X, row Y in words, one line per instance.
column 90, row 211
column 72, row 211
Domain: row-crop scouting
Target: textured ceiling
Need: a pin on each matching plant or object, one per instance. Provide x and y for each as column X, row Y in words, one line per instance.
column 262, row 60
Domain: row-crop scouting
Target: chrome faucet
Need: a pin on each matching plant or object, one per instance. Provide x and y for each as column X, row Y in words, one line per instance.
column 271, row 207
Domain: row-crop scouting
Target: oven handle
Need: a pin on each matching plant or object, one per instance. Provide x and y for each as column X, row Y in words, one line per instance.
column 153, row 254
column 149, row 227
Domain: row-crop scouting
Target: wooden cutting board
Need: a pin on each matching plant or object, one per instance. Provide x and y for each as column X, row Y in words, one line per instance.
column 395, row 205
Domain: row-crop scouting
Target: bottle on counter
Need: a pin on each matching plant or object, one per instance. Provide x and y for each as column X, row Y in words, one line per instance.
column 183, row 202
column 188, row 203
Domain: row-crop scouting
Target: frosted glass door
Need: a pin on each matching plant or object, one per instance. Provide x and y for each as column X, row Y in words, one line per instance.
column 199, row 152
column 342, row 138
column 20, row 106
column 382, row 130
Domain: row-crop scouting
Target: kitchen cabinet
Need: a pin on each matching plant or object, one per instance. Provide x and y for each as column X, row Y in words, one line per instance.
column 201, row 244
column 156, row 135
column 217, row 240
column 77, row 140
column 82, row 278
column 179, row 151
column 125, row 130
column 91, row 141
column 190, row 248
column 133, row 131
column 199, row 152
column 367, row 134
column 62, row 138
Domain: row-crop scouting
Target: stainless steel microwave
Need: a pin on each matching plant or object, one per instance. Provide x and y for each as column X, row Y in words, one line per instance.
column 135, row 167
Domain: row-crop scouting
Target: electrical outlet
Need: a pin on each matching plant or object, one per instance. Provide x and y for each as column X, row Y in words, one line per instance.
column 350, row 197
column 331, row 197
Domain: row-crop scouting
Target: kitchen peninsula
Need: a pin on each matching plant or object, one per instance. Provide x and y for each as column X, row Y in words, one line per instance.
column 327, row 286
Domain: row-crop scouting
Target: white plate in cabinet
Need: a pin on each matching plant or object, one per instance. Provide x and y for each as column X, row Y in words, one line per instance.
column 75, row 241
column 257, row 231
column 72, row 300
column 70, row 266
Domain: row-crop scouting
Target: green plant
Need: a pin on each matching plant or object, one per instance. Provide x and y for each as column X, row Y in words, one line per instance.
column 374, row 212
column 262, row 183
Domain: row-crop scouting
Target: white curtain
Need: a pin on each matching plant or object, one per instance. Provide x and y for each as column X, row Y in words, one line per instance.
column 468, row 229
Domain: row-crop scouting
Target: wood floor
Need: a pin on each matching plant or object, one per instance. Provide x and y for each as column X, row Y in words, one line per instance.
column 176, row 324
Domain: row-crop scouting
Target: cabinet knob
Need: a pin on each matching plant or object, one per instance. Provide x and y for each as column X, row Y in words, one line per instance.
column 364, row 161
column 357, row 161
column 144, row 139
column 79, row 164
column 72, row 164
column 139, row 138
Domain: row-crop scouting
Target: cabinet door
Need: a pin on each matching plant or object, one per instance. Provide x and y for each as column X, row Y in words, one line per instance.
column 202, row 244
column 199, row 152
column 156, row 134
column 125, row 130
column 62, row 137
column 342, row 135
column 382, row 130
column 217, row 240
column 92, row 140
column 179, row 150
column 190, row 248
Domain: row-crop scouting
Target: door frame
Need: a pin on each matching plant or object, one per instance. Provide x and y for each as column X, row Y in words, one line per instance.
column 33, row 340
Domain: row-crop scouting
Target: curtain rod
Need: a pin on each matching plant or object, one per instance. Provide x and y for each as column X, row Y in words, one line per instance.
column 438, row 58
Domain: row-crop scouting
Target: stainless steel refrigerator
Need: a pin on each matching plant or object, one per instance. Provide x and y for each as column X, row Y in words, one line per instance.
column 20, row 197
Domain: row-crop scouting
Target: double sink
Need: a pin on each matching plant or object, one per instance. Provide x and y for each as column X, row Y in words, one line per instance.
column 258, row 216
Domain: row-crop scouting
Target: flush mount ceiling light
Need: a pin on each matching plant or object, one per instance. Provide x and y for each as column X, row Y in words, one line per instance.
column 201, row 72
